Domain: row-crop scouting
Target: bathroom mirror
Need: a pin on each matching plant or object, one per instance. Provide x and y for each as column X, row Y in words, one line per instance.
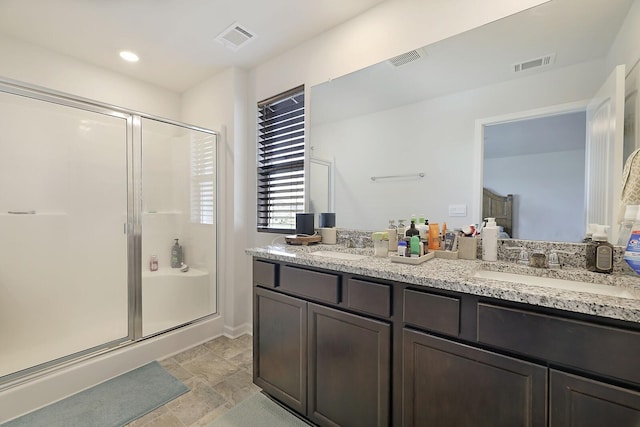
column 411, row 121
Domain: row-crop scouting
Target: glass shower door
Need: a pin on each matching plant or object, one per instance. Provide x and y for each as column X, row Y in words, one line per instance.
column 63, row 242
column 178, row 225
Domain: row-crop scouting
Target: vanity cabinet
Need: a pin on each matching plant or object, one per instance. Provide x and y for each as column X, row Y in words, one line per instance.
column 451, row 384
column 343, row 349
column 329, row 364
column 578, row 401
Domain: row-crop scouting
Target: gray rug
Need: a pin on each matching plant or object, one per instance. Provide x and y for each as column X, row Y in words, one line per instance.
column 258, row 411
column 112, row 403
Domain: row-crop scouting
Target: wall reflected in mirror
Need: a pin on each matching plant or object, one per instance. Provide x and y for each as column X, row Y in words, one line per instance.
column 421, row 116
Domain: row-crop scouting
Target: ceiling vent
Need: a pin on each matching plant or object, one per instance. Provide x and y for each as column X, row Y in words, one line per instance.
column 405, row 58
column 543, row 61
column 235, row 37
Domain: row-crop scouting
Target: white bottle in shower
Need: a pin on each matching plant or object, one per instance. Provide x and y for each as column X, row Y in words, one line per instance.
column 490, row 240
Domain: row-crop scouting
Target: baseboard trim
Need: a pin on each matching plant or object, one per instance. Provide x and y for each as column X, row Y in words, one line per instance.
column 235, row 332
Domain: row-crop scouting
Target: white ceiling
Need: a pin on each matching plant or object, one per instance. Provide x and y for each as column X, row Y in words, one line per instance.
column 175, row 39
column 575, row 30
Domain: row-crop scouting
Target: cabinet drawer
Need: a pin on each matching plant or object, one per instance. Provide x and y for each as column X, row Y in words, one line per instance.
column 600, row 349
column 312, row 284
column 369, row 297
column 264, row 273
column 432, row 312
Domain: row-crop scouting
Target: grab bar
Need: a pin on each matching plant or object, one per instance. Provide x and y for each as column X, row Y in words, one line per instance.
column 410, row 175
column 32, row 212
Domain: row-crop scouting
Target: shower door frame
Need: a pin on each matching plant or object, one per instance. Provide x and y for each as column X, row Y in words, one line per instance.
column 133, row 226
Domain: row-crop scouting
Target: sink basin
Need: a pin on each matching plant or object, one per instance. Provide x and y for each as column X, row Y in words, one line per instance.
column 339, row 255
column 547, row 282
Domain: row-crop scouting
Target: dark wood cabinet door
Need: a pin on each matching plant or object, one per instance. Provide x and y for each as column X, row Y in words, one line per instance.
column 349, row 369
column 449, row 384
column 578, row 401
column 280, row 347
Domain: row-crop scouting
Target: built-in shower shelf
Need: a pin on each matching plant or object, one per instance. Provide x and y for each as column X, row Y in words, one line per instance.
column 22, row 215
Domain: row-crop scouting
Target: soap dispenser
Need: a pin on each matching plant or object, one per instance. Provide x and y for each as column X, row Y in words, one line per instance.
column 490, row 240
column 600, row 251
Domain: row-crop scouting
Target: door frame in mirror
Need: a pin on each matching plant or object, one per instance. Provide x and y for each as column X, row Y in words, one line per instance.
column 478, row 143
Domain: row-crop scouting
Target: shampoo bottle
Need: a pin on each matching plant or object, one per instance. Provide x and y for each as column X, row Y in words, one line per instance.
column 176, row 255
column 490, row 240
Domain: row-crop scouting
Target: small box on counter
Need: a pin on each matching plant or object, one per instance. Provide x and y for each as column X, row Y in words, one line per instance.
column 467, row 248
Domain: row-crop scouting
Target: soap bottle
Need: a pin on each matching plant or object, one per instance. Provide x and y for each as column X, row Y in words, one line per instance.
column 600, row 252
column 176, row 255
column 490, row 240
column 412, row 231
column 423, row 228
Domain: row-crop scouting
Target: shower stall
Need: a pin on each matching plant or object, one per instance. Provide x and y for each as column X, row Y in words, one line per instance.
column 92, row 198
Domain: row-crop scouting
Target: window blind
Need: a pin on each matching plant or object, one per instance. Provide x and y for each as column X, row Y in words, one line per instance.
column 202, row 179
column 281, row 174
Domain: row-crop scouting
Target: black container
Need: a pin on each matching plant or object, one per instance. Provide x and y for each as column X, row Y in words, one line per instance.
column 327, row 220
column 305, row 223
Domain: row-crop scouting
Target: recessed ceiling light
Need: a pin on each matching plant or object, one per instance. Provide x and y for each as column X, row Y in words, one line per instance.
column 129, row 56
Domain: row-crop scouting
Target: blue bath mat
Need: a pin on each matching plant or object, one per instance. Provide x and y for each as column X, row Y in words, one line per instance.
column 258, row 411
column 115, row 402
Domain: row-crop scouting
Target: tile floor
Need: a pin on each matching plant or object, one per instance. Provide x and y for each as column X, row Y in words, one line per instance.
column 218, row 374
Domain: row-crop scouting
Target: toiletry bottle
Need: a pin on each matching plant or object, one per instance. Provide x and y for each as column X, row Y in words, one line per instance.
column 176, row 255
column 423, row 228
column 434, row 237
column 401, row 229
column 153, row 263
column 412, row 231
column 490, row 240
column 632, row 251
column 402, row 248
column 600, row 252
column 415, row 246
column 630, row 214
column 392, row 232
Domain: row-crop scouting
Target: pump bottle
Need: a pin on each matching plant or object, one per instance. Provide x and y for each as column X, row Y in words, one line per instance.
column 490, row 240
column 600, row 251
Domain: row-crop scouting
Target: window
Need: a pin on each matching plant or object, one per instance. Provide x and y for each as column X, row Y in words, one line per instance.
column 203, row 162
column 281, row 161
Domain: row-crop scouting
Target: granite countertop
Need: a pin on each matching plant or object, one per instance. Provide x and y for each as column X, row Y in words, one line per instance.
column 457, row 275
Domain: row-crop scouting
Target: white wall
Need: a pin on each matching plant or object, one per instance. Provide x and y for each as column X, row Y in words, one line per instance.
column 626, row 47
column 435, row 137
column 220, row 103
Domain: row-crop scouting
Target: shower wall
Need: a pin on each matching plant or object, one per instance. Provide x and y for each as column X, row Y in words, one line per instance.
column 178, row 187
